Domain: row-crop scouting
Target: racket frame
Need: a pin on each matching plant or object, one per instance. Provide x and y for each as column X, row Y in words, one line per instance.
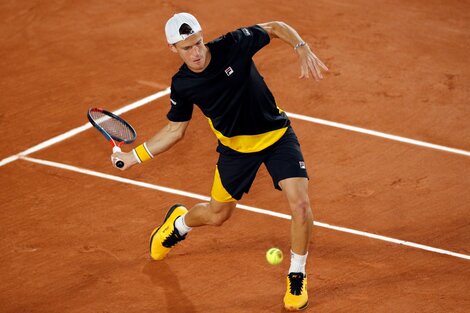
column 115, row 142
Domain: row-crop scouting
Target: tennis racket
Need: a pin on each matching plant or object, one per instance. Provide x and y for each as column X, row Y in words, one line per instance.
column 116, row 130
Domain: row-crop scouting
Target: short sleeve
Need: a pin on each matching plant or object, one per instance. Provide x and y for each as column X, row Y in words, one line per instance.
column 251, row 39
column 181, row 110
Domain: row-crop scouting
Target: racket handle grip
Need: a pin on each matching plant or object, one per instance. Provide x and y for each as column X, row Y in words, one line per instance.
column 119, row 163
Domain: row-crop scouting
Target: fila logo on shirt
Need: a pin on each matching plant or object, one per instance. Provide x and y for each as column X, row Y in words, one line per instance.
column 302, row 164
column 229, row 71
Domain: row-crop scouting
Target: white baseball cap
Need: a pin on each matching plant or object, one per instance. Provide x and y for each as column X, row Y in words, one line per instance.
column 173, row 25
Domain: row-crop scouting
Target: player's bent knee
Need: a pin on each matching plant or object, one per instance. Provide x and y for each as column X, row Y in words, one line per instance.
column 221, row 213
column 219, row 219
column 301, row 210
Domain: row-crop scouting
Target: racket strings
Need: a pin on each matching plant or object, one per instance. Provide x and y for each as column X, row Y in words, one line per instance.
column 116, row 128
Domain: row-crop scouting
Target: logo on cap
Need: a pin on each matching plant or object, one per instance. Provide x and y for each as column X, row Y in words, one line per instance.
column 180, row 26
column 185, row 30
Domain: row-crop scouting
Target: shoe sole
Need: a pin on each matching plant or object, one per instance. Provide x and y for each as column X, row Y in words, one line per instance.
column 170, row 211
column 292, row 309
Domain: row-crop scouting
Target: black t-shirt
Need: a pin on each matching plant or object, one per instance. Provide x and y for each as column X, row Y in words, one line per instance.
column 231, row 93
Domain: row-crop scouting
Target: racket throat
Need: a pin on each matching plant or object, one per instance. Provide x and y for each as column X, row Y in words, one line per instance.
column 115, row 144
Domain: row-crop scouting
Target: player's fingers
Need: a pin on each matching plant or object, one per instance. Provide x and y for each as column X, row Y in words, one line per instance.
column 319, row 62
column 315, row 70
column 322, row 65
column 307, row 75
column 319, row 66
column 303, row 71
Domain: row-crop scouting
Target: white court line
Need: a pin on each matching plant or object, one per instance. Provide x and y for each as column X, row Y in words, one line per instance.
column 377, row 134
column 240, row 206
column 165, row 92
column 82, row 128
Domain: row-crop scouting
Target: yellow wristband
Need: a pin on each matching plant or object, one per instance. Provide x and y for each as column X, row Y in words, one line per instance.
column 143, row 153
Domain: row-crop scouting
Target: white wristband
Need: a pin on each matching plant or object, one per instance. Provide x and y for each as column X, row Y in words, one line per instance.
column 136, row 156
column 148, row 151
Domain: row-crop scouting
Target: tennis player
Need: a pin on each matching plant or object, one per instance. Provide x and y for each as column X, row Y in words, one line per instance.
column 222, row 80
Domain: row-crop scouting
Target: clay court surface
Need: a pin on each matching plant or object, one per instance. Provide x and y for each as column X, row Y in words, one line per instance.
column 72, row 242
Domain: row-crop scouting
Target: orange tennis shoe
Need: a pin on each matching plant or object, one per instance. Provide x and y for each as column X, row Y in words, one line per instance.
column 296, row 297
column 166, row 236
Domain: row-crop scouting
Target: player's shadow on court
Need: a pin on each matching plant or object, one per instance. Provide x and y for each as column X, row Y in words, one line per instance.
column 161, row 275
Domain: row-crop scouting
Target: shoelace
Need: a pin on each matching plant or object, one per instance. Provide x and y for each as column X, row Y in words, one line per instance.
column 172, row 239
column 296, row 283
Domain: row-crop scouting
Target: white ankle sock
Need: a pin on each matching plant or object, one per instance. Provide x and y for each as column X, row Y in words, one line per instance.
column 181, row 226
column 297, row 263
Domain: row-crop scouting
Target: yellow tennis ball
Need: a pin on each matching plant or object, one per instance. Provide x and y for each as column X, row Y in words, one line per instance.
column 274, row 256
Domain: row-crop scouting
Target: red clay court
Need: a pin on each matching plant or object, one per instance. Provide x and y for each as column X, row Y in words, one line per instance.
column 392, row 213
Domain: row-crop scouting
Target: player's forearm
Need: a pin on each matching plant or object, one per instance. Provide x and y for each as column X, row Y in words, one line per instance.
column 284, row 32
column 162, row 141
column 166, row 138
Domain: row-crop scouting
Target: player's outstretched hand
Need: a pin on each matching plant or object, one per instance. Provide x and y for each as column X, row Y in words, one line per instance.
column 310, row 63
column 127, row 158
